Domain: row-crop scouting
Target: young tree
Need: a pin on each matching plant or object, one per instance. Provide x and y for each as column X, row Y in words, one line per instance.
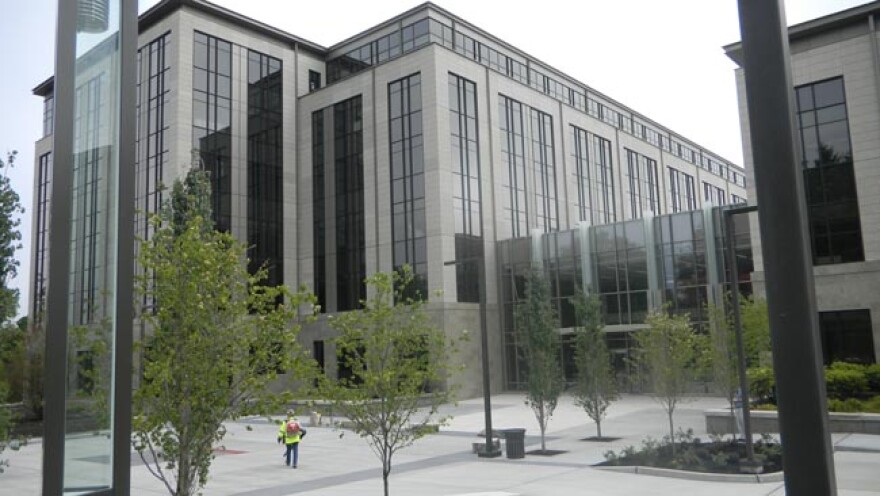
column 398, row 359
column 722, row 359
column 596, row 387
column 669, row 349
column 756, row 330
column 217, row 339
column 536, row 331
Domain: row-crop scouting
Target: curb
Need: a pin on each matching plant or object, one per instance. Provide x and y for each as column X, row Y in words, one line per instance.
column 695, row 476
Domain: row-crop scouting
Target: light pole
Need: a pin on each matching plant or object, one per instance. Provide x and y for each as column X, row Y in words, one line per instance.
column 488, row 450
column 750, row 465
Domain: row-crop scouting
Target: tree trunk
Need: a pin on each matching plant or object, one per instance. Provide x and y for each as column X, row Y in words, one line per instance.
column 386, row 471
column 598, row 429
column 671, row 433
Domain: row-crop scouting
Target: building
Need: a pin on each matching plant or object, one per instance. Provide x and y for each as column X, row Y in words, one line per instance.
column 419, row 141
column 835, row 62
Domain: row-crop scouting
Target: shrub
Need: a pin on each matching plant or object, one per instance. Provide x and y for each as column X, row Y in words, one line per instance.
column 872, row 374
column 762, row 384
column 850, row 405
column 846, row 382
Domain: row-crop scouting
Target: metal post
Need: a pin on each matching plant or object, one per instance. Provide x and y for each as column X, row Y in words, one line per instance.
column 55, row 366
column 489, row 450
column 737, row 324
column 803, row 414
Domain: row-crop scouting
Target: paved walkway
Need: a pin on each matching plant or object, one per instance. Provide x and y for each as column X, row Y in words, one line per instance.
column 337, row 463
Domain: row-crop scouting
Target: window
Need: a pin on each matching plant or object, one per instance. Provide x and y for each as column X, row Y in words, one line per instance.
column 682, row 192
column 642, row 184
column 265, row 160
column 408, row 229
column 544, row 167
column 48, row 115
column 467, row 190
column 847, row 336
column 513, row 159
column 212, row 120
column 349, row 186
column 829, row 182
column 314, row 80
column 319, row 225
column 581, row 172
column 603, row 184
column 714, row 195
column 41, row 239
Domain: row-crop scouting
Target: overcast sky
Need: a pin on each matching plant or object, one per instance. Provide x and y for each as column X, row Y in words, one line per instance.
column 661, row 58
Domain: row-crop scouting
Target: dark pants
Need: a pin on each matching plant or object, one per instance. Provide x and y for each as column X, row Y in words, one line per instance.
column 292, row 448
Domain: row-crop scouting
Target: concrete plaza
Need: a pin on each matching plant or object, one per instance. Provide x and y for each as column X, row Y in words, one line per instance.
column 336, row 463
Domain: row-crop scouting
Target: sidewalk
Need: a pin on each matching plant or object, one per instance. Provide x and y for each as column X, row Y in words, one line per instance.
column 337, row 463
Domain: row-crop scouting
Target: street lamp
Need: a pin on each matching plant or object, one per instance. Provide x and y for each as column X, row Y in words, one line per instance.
column 488, row 450
column 751, row 465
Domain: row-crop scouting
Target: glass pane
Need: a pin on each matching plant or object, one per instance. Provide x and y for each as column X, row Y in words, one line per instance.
column 88, row 444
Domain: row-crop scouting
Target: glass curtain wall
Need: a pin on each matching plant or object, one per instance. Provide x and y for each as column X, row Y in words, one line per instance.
column 319, row 227
column 513, row 158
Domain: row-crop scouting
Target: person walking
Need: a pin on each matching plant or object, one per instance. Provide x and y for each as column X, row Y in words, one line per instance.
column 291, row 433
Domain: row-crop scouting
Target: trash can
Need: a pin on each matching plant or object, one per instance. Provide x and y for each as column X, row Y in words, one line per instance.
column 515, row 441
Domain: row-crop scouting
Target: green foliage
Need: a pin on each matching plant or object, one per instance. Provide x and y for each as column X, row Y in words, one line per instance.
column 400, row 360
column 872, row 375
column 94, row 370
column 13, row 361
column 762, row 383
column 10, row 240
column 845, row 380
column 722, row 359
column 756, row 330
column 539, row 342
column 670, row 351
column 596, row 387
column 218, row 338
column 693, row 454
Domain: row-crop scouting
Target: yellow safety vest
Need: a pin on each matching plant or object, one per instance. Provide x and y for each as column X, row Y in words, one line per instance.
column 289, row 437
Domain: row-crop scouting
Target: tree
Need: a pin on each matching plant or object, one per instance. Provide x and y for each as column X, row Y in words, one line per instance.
column 10, row 240
column 722, row 350
column 218, row 338
column 539, row 342
column 669, row 349
column 596, row 387
column 398, row 359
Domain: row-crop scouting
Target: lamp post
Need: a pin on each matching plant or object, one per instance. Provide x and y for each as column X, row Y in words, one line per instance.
column 489, row 450
column 750, row 465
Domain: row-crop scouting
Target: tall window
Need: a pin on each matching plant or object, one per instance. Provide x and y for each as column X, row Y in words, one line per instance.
column 682, row 192
column 466, row 193
column 41, row 228
column 832, row 201
column 513, row 159
column 88, row 216
column 314, row 80
column 349, row 186
column 48, row 115
column 153, row 96
column 643, row 184
column 408, row 231
column 544, row 167
column 603, row 184
column 713, row 194
column 212, row 120
column 319, row 227
column 581, row 159
column 264, row 166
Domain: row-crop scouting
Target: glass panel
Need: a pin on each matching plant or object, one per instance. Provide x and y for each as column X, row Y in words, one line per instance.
column 88, row 449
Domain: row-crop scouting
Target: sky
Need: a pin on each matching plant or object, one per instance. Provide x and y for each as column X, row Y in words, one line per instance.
column 661, row 58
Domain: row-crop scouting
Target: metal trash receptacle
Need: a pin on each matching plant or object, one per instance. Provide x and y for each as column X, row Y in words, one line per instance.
column 515, row 442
